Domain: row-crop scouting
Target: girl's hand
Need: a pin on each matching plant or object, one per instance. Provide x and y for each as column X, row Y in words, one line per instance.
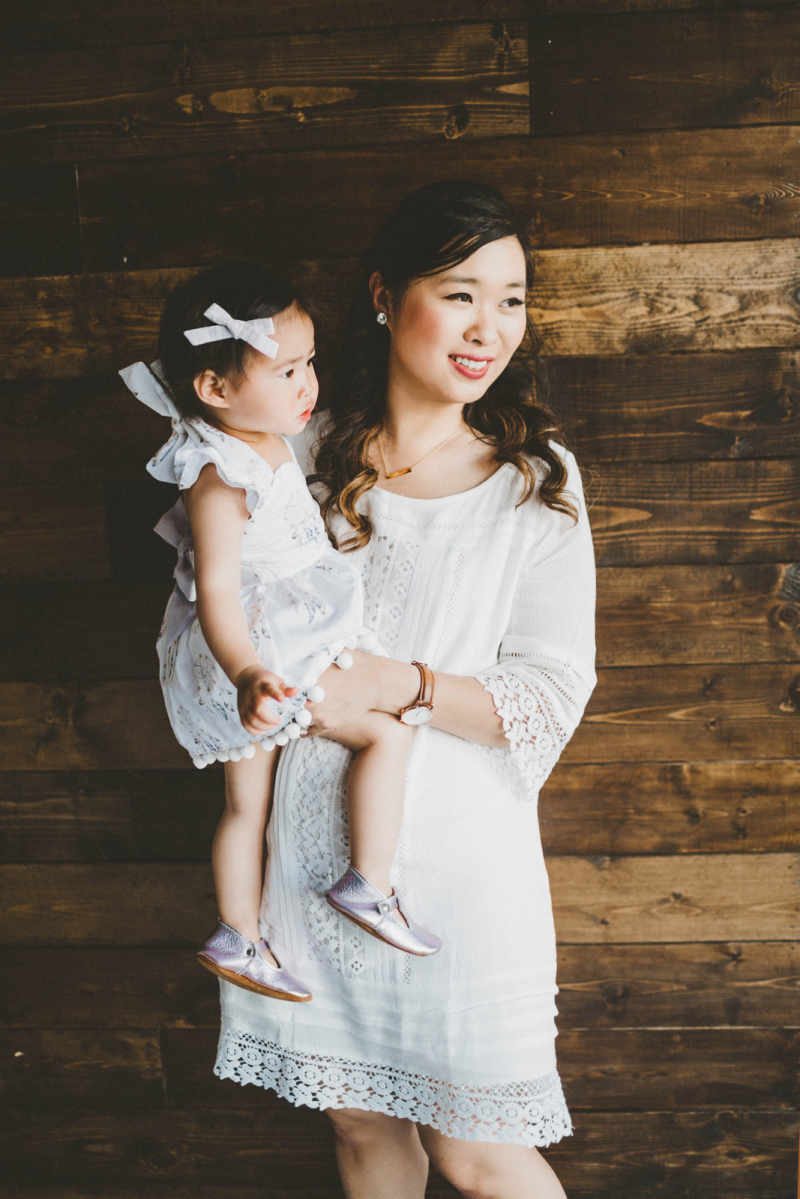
column 254, row 687
column 348, row 693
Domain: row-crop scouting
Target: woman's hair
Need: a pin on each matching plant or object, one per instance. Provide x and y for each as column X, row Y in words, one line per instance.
column 431, row 230
column 247, row 291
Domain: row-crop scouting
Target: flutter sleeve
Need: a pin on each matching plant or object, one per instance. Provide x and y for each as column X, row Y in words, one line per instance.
column 545, row 671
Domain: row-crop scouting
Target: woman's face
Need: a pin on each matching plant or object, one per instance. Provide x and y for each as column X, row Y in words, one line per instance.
column 454, row 333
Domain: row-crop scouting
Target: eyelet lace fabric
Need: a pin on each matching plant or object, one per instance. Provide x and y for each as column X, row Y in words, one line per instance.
column 525, row 1113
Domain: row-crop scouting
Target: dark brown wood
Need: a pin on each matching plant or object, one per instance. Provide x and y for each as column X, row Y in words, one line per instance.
column 269, row 93
column 694, row 985
column 650, row 299
column 689, row 985
column 700, row 897
column 671, row 808
column 52, row 533
column 663, row 70
column 40, row 220
column 679, row 614
column 136, row 552
column 72, row 1068
column 61, row 24
column 673, row 713
column 693, row 512
column 678, row 406
column 110, row 816
column 634, row 1069
column 131, row 1153
column 604, row 189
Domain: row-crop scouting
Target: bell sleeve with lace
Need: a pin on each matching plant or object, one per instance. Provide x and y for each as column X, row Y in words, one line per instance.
column 545, row 669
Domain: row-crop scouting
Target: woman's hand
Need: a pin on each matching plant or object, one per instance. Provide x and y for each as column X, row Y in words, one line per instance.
column 348, row 694
column 255, row 686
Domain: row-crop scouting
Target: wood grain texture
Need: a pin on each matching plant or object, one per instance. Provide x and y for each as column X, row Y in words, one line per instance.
column 53, row 533
column 674, row 898
column 680, row 614
column 275, row 92
column 744, row 404
column 650, row 299
column 77, row 24
column 69, row 1068
column 666, row 808
column 664, row 70
column 109, row 816
column 570, row 191
column 690, row 713
column 693, row 512
column 195, row 1152
column 603, row 900
column 40, row 220
column 690, row 985
column 644, row 1070
column 669, row 714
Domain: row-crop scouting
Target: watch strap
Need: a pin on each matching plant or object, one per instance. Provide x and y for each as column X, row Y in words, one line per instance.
column 425, row 697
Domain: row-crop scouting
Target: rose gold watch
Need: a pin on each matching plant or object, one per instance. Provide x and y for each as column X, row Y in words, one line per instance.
column 421, row 711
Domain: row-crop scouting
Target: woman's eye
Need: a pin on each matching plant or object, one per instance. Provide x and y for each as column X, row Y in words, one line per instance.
column 513, row 302
column 460, row 295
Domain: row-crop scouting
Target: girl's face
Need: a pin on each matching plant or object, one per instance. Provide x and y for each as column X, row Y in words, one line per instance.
column 276, row 395
column 454, row 333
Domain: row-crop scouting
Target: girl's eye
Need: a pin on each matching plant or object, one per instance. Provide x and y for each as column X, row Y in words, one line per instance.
column 460, row 295
column 288, row 374
column 513, row 302
column 310, row 363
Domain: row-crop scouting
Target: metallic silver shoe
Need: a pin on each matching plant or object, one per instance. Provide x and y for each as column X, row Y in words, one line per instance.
column 231, row 956
column 356, row 898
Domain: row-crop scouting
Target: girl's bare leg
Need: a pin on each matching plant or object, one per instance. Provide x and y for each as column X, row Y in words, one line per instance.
column 237, row 854
column 379, row 1156
column 482, row 1170
column 375, row 792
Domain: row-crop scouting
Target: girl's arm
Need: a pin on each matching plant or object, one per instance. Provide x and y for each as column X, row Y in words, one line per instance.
column 218, row 515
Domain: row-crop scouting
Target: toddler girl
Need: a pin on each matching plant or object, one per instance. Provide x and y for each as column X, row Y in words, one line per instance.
column 262, row 603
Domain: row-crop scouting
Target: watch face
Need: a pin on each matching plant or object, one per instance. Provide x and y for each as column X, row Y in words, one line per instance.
column 416, row 716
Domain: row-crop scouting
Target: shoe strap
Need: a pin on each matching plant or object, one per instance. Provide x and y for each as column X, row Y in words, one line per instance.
column 385, row 904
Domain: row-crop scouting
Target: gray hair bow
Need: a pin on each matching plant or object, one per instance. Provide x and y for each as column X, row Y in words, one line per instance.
column 225, row 326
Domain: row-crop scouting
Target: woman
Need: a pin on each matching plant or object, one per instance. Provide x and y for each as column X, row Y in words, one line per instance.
column 435, row 469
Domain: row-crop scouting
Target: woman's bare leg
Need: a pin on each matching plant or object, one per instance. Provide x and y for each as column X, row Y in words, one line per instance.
column 237, row 854
column 375, row 792
column 482, row 1170
column 379, row 1156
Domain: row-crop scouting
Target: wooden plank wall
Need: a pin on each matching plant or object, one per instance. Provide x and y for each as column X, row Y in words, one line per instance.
column 654, row 148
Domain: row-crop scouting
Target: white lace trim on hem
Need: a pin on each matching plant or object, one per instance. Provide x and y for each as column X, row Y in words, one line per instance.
column 530, row 1113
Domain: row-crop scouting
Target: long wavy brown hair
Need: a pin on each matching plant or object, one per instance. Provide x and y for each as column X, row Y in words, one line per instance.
column 431, row 230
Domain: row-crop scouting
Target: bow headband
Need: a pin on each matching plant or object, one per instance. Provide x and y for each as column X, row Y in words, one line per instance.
column 225, row 326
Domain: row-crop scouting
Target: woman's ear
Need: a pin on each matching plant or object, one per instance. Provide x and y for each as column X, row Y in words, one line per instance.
column 210, row 389
column 381, row 299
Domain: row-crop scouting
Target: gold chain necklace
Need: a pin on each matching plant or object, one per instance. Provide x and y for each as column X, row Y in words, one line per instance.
column 395, row 474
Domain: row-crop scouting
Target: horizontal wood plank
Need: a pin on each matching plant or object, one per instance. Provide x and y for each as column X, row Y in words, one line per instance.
column 77, row 24
column 69, row 1068
column 603, row 900
column 275, row 92
column 663, row 70
column 598, row 301
column 53, row 533
column 609, row 300
column 570, row 191
column 678, row 407
column 694, row 985
column 669, row 808
column 674, row 713
column 193, row 1152
column 40, row 219
column 630, row 1069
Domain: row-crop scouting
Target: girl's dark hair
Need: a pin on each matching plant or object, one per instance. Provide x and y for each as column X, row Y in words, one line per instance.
column 431, row 230
column 247, row 291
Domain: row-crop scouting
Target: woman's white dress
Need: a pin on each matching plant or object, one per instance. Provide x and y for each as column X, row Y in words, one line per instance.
column 463, row 1041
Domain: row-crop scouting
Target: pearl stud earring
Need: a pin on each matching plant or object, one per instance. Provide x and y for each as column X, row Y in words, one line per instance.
column 382, row 318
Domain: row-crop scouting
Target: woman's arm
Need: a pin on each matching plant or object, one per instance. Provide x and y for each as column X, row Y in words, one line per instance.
column 218, row 515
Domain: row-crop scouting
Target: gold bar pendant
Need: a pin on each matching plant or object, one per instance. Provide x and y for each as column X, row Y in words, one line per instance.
column 395, row 474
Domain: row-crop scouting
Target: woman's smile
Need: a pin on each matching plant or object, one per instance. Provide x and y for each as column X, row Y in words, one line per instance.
column 472, row 368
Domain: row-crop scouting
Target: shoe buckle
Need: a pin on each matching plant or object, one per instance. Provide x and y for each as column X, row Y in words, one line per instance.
column 251, row 952
column 384, row 907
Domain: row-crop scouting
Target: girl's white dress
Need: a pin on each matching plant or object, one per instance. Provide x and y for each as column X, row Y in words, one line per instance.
column 303, row 601
column 465, row 1040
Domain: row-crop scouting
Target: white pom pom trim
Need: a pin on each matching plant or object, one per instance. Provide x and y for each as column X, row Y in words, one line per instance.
column 248, row 751
column 304, row 718
column 344, row 661
column 316, row 693
column 281, row 738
